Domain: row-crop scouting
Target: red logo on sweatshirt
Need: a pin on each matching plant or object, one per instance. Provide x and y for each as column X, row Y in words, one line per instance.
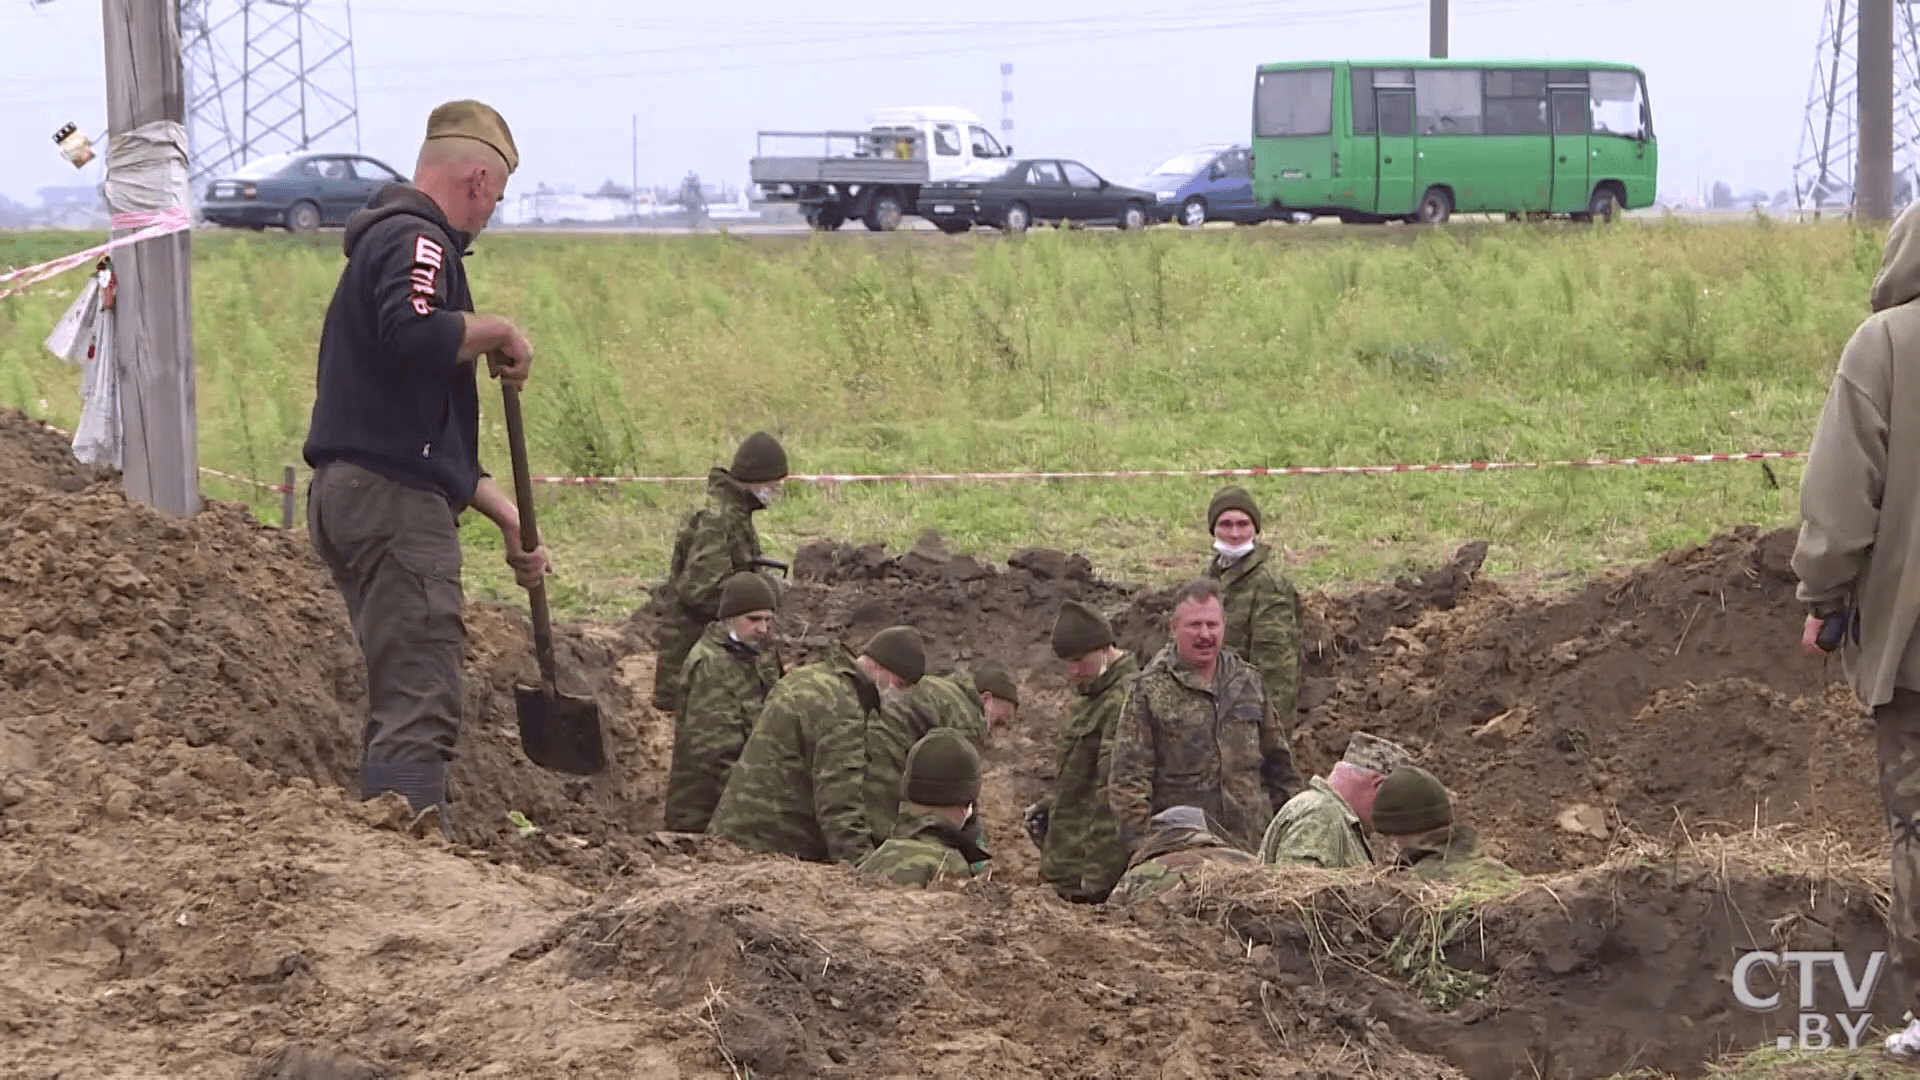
column 427, row 257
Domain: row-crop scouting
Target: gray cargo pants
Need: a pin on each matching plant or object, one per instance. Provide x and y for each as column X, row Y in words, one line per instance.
column 394, row 553
column 1897, row 729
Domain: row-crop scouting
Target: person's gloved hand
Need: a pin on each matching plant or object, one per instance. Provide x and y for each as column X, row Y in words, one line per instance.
column 1036, row 820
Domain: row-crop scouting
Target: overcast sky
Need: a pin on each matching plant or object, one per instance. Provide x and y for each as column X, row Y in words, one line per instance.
column 1120, row 85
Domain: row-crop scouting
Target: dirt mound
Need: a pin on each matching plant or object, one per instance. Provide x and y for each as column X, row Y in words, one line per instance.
column 34, row 454
column 1672, row 699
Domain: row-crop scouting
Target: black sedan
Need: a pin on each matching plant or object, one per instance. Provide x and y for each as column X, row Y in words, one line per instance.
column 299, row 192
column 1013, row 195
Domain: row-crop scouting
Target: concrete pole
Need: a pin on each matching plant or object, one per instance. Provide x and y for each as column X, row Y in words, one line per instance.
column 153, row 307
column 1437, row 29
column 1873, row 193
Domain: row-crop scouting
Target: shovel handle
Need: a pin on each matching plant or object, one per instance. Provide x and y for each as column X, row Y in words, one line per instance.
column 529, row 535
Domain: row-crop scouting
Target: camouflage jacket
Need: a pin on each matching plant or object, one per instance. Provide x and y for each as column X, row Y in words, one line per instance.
column 1168, row 856
column 722, row 686
column 1083, row 855
column 1263, row 625
column 797, row 787
column 1316, row 828
column 936, row 701
column 1183, row 743
column 925, row 848
column 1454, row 856
column 714, row 543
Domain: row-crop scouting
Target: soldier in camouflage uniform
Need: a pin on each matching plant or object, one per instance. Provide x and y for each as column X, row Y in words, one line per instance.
column 797, row 787
column 1414, row 818
column 1081, row 854
column 714, row 543
column 722, row 687
column 968, row 702
column 1262, row 610
column 936, row 835
column 1326, row 824
column 1179, row 844
column 1197, row 731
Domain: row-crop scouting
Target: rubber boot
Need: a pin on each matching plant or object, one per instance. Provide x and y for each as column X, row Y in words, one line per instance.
column 422, row 783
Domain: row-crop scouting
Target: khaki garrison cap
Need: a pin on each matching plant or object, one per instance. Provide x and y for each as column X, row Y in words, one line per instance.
column 472, row 120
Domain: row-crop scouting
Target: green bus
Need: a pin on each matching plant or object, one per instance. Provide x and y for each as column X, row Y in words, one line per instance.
column 1418, row 140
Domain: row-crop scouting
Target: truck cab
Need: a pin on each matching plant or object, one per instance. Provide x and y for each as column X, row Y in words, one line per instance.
column 955, row 139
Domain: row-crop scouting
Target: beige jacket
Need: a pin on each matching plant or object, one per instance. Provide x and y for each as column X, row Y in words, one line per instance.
column 1860, row 496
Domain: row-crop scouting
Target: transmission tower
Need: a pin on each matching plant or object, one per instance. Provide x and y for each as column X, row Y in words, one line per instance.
column 267, row 77
column 1823, row 174
column 1006, row 103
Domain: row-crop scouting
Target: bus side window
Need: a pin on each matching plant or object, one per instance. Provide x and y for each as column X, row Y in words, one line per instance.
column 1447, row 101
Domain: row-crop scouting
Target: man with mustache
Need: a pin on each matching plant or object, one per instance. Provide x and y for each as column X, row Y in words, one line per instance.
column 1198, row 731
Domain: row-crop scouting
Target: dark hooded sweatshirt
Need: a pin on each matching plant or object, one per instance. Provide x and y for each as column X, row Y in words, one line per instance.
column 393, row 395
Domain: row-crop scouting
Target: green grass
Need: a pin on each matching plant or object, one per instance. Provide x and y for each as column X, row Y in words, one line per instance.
column 1068, row 351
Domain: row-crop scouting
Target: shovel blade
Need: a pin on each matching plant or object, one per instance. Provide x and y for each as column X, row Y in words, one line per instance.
column 561, row 733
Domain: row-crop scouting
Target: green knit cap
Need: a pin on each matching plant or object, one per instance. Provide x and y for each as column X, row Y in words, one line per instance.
column 942, row 770
column 746, row 591
column 1411, row 801
column 1079, row 630
column 992, row 677
column 898, row 649
column 1232, row 497
column 759, row 460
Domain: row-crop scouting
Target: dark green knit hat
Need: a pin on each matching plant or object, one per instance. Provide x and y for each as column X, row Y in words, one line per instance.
column 1079, row 630
column 942, row 770
column 1411, row 801
column 759, row 459
column 898, row 649
column 1232, row 497
column 992, row 677
column 744, row 592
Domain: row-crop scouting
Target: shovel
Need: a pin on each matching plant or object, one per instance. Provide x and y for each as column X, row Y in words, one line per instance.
column 557, row 731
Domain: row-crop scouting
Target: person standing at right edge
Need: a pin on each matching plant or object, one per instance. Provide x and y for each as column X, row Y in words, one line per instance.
column 1858, row 560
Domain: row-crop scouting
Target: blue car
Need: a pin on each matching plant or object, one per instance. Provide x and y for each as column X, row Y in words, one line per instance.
column 1209, row 183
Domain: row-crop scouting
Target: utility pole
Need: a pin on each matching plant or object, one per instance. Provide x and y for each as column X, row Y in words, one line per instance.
column 1437, row 29
column 154, row 329
column 633, row 190
column 1006, row 106
column 1874, row 75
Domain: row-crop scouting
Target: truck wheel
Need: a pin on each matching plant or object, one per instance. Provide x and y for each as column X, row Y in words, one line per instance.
column 1193, row 213
column 885, row 213
column 826, row 218
column 1436, row 206
column 1016, row 219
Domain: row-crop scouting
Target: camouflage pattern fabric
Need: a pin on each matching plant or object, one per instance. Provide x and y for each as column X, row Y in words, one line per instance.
column 722, row 687
column 925, row 848
column 1263, row 626
column 1083, row 855
column 1168, row 857
column 796, row 789
column 714, row 543
column 1897, row 731
column 1184, row 743
column 936, row 701
column 1453, row 855
column 1316, row 828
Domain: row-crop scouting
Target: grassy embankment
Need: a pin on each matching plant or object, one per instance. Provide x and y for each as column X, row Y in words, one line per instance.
column 1068, row 351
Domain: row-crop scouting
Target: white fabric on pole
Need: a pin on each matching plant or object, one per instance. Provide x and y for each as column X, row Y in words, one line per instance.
column 147, row 169
column 84, row 335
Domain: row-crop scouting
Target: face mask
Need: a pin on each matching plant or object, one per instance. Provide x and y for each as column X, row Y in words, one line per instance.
column 1232, row 553
column 767, row 495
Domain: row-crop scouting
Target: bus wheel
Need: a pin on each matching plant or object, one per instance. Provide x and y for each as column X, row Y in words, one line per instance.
column 1604, row 206
column 1436, row 206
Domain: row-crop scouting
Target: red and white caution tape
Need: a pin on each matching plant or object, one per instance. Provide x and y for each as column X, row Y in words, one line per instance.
column 147, row 223
column 278, row 489
column 831, row 479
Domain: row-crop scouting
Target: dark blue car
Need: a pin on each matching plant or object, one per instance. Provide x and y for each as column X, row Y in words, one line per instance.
column 1208, row 183
column 298, row 192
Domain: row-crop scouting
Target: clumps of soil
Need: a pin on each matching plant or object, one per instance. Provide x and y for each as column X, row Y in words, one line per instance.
column 1671, row 699
column 34, row 454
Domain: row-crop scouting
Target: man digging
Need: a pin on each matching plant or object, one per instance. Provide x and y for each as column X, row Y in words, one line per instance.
column 394, row 444
column 722, row 687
